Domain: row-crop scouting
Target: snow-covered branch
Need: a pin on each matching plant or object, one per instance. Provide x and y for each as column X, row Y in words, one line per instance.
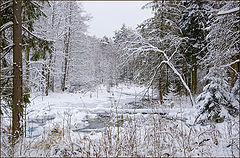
column 5, row 5
column 143, row 46
column 6, row 50
column 227, row 65
column 36, row 36
column 225, row 12
column 5, row 26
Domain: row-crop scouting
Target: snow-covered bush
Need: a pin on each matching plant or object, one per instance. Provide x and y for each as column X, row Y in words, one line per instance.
column 215, row 102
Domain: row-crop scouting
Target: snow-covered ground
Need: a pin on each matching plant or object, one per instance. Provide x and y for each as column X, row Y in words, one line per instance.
column 57, row 108
column 119, row 122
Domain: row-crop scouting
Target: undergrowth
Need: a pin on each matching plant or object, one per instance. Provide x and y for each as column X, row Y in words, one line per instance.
column 140, row 135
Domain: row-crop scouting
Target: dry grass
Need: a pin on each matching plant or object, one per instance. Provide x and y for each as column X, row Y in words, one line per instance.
column 140, row 135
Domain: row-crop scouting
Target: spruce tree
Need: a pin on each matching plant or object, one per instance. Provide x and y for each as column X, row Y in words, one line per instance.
column 215, row 102
column 220, row 96
column 193, row 25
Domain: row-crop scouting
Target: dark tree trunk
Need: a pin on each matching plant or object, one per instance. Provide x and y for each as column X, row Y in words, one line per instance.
column 167, row 82
column 194, row 79
column 17, row 109
column 67, row 51
column 48, row 76
column 53, row 77
column 65, row 68
column 43, row 83
column 160, row 90
column 1, row 49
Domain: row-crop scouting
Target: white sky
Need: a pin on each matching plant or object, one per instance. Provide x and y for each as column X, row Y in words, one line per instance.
column 109, row 16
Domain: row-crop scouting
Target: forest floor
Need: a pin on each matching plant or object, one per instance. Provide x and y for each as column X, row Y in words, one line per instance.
column 119, row 122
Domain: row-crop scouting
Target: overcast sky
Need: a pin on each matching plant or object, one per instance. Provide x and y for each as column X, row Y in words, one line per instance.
column 109, row 16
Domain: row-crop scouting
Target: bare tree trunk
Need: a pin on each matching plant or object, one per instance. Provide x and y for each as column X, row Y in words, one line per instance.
column 167, row 83
column 53, row 57
column 194, row 79
column 17, row 109
column 65, row 65
column 1, row 49
column 43, row 83
column 48, row 76
column 53, row 77
column 160, row 90
column 67, row 48
column 47, row 82
column 194, row 75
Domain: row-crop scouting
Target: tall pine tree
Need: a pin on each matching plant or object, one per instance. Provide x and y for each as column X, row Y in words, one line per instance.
column 193, row 25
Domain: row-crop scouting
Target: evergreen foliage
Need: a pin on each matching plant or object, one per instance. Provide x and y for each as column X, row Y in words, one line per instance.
column 215, row 102
column 193, row 24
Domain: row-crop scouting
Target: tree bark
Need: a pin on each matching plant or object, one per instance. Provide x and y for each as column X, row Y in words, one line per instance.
column 194, row 79
column 53, row 77
column 160, row 90
column 65, row 64
column 43, row 82
column 67, row 47
column 0, row 84
column 53, row 55
column 167, row 82
column 48, row 76
column 17, row 109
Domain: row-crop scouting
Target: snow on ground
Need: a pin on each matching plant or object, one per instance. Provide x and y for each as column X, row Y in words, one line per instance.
column 68, row 124
column 46, row 111
column 57, row 108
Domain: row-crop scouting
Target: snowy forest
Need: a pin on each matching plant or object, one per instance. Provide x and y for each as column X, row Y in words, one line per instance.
column 167, row 88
